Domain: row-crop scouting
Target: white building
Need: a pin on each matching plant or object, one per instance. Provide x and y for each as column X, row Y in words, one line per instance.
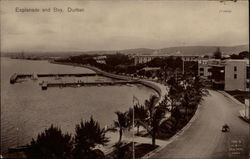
column 237, row 75
column 140, row 59
column 100, row 59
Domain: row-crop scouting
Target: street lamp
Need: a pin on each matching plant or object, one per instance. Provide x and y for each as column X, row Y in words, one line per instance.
column 133, row 119
column 182, row 65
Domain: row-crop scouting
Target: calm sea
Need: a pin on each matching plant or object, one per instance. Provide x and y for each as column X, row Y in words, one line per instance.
column 26, row 110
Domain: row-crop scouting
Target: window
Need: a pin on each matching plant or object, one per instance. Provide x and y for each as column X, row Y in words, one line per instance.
column 235, row 76
column 235, row 68
column 201, row 74
column 201, row 69
column 247, row 84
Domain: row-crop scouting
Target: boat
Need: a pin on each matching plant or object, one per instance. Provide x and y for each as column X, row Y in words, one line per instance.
column 44, row 86
column 34, row 76
column 130, row 85
column 57, row 77
column 13, row 78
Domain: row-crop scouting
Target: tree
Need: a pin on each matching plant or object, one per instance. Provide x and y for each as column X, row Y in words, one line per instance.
column 217, row 54
column 241, row 55
column 140, row 114
column 175, row 92
column 244, row 54
column 150, row 104
column 122, row 122
column 156, row 116
column 52, row 144
column 193, row 93
column 155, row 122
column 88, row 135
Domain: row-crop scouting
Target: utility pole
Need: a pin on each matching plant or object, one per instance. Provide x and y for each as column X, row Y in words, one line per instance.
column 183, row 65
column 133, row 125
column 133, row 148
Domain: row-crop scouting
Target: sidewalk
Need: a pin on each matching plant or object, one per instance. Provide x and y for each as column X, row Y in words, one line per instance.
column 232, row 98
column 242, row 114
column 126, row 138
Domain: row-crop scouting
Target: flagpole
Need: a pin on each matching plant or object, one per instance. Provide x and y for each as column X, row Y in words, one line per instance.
column 133, row 125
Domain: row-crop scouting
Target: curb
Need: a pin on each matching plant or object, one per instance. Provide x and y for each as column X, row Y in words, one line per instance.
column 178, row 134
column 242, row 117
column 231, row 97
column 170, row 140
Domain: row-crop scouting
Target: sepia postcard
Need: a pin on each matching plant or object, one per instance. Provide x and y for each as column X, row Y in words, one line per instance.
column 116, row 79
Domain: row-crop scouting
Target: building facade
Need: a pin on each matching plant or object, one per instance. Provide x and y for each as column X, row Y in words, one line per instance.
column 226, row 74
column 140, row 59
column 237, row 75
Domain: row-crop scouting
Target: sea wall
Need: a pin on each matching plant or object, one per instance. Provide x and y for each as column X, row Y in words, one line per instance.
column 153, row 85
column 159, row 88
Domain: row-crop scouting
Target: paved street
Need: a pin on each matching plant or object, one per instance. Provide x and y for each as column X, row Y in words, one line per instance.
column 204, row 138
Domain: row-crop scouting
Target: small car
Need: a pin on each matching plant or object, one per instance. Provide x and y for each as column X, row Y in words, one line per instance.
column 225, row 128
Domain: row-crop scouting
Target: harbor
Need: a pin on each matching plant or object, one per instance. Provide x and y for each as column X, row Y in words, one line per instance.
column 45, row 85
column 14, row 78
column 48, row 107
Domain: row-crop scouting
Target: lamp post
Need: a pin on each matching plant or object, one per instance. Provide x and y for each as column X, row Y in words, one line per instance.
column 133, row 143
column 183, row 65
column 133, row 125
column 17, row 129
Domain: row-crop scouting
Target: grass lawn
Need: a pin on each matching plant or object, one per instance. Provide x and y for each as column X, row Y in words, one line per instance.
column 239, row 95
column 143, row 149
column 173, row 127
column 126, row 150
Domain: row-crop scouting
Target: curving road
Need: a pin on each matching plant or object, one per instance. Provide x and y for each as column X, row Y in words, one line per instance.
column 204, row 139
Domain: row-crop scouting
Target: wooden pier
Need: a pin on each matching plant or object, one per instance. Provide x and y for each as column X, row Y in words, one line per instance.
column 13, row 78
column 16, row 76
column 45, row 85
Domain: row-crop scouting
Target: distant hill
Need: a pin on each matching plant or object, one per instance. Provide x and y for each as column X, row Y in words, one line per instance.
column 204, row 50
column 184, row 50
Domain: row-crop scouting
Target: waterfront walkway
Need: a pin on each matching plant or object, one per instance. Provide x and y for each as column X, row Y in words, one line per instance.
column 162, row 91
column 159, row 88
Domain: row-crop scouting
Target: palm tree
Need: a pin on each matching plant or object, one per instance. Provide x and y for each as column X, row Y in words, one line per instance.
column 156, row 116
column 187, row 98
column 122, row 122
column 193, row 92
column 88, row 135
column 51, row 143
column 155, row 122
column 140, row 114
column 175, row 92
column 150, row 104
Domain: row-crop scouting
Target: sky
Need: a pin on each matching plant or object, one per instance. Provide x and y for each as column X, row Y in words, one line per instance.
column 114, row 25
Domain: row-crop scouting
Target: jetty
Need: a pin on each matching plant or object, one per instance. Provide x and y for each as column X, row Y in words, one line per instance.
column 13, row 78
column 34, row 76
column 45, row 85
column 18, row 149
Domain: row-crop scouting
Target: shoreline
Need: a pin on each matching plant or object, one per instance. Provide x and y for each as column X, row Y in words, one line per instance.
column 160, row 89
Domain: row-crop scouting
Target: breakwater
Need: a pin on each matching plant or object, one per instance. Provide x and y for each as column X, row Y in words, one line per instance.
column 159, row 88
column 45, row 85
column 16, row 76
